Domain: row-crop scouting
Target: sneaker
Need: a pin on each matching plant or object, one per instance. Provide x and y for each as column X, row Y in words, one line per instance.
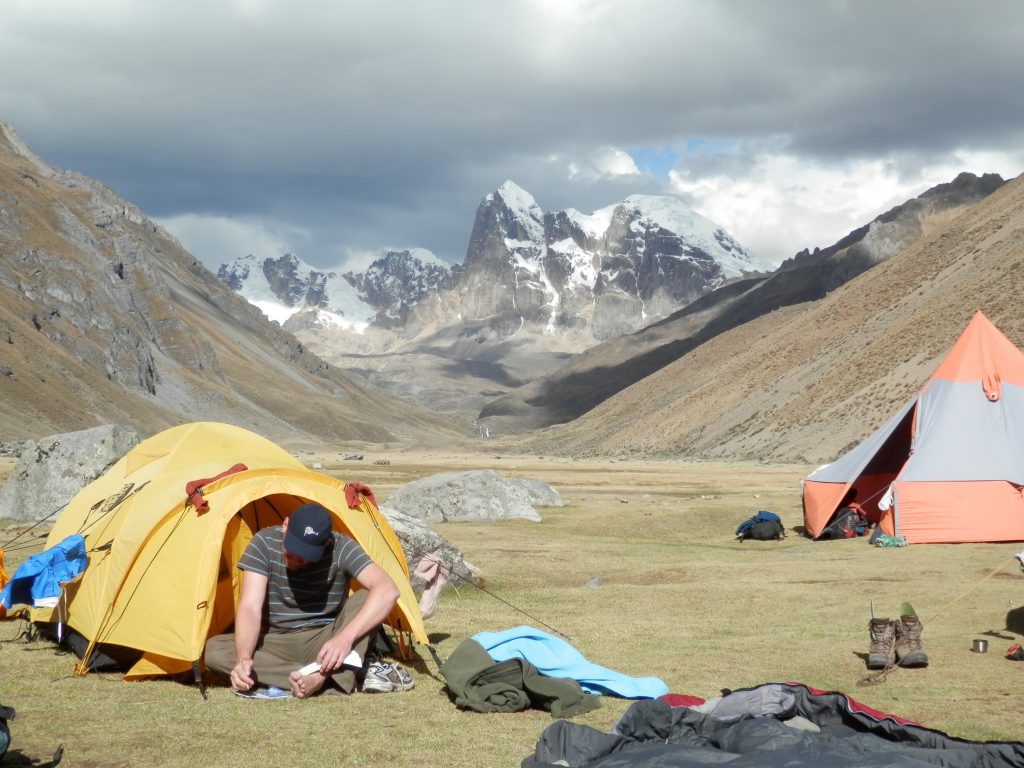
column 384, row 678
column 404, row 682
column 264, row 693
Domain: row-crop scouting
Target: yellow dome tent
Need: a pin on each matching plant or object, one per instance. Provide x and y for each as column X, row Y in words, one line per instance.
column 161, row 575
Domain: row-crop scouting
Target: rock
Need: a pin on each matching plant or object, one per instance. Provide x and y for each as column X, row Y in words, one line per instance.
column 13, row 451
column 537, row 491
column 49, row 473
column 417, row 540
column 477, row 495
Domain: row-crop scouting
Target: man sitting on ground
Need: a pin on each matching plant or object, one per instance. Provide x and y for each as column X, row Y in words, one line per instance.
column 294, row 608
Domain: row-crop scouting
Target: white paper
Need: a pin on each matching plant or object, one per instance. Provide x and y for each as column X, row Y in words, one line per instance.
column 352, row 660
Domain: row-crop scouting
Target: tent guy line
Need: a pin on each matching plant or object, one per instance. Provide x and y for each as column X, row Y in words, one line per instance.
column 453, row 577
column 971, row 588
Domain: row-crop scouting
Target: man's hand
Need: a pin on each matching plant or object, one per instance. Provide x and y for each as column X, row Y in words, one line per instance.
column 333, row 653
column 241, row 675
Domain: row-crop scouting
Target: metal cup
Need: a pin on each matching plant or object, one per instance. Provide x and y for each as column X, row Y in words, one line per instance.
column 980, row 646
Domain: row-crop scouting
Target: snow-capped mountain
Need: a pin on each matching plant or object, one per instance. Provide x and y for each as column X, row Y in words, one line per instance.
column 612, row 271
column 606, row 273
column 282, row 287
column 396, row 283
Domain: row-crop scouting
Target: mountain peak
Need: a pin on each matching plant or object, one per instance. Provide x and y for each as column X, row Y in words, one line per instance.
column 10, row 137
column 515, row 197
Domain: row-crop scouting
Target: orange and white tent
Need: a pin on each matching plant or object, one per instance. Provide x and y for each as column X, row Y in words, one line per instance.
column 952, row 459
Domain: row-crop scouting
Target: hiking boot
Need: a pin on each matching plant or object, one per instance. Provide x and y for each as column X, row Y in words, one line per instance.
column 882, row 652
column 384, row 678
column 908, row 643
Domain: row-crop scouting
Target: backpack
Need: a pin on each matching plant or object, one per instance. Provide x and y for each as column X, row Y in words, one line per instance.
column 846, row 524
column 764, row 526
column 6, row 713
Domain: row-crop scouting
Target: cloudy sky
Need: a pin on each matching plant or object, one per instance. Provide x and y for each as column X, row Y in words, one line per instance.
column 336, row 129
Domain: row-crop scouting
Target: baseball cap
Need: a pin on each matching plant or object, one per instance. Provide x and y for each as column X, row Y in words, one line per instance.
column 309, row 529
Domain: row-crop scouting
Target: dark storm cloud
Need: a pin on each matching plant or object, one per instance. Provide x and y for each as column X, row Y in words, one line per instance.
column 362, row 125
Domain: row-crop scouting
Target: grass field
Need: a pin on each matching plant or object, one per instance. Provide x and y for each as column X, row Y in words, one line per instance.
column 640, row 571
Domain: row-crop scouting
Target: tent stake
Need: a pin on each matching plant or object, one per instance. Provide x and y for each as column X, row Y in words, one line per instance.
column 198, row 676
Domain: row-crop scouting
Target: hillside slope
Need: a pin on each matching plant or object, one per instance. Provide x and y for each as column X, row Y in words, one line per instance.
column 104, row 317
column 592, row 377
column 807, row 381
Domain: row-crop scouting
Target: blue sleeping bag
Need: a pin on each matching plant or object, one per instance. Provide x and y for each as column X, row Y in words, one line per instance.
column 556, row 658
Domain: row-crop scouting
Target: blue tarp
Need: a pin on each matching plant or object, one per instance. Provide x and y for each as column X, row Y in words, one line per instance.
column 556, row 658
column 40, row 577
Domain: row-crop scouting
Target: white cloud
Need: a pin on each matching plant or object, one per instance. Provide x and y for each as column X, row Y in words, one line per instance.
column 361, row 124
column 573, row 11
column 779, row 204
column 360, row 260
column 603, row 163
column 217, row 240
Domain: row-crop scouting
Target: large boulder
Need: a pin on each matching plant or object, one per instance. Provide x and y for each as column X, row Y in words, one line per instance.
column 418, row 540
column 536, row 492
column 50, row 472
column 474, row 496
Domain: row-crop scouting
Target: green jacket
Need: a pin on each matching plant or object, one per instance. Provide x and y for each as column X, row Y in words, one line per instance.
column 478, row 683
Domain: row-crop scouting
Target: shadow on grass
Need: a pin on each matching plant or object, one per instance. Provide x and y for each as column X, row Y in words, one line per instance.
column 1015, row 620
column 17, row 757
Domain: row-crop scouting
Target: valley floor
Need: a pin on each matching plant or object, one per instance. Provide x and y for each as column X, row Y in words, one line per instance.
column 640, row 571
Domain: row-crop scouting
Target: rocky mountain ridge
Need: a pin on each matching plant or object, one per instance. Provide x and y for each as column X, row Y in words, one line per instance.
column 105, row 318
column 561, row 273
column 805, row 381
column 604, row 370
column 519, row 375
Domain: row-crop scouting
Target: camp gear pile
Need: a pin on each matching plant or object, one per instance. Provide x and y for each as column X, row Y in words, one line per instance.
column 764, row 526
column 525, row 667
column 771, row 726
column 478, row 683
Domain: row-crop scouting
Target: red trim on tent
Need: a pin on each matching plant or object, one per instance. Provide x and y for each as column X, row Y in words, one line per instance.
column 194, row 488
column 863, row 709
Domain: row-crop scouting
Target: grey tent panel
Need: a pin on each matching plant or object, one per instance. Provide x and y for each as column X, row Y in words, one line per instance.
column 961, row 435
column 848, row 467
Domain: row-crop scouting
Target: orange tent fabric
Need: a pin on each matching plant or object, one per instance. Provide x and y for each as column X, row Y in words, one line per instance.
column 952, row 458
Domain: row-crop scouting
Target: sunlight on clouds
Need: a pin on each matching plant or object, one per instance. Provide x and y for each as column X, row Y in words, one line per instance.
column 782, row 204
column 251, row 9
column 614, row 162
column 605, row 162
column 1007, row 165
column 572, row 11
column 355, row 260
column 217, row 240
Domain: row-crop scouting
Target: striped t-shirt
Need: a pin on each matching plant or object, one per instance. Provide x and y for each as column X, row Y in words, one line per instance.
column 311, row 596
